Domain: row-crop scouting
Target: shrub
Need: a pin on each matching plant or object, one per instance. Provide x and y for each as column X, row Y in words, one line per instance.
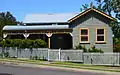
column 81, row 47
column 92, row 49
column 28, row 43
column 116, row 46
column 40, row 44
column 23, row 43
column 8, row 43
column 3, row 43
column 16, row 43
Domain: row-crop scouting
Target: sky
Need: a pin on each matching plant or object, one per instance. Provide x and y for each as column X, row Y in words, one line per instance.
column 19, row 8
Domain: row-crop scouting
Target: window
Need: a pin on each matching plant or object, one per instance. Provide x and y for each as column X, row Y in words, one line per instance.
column 84, row 35
column 100, row 35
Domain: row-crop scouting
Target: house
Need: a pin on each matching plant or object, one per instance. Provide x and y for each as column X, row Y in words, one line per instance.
column 66, row 30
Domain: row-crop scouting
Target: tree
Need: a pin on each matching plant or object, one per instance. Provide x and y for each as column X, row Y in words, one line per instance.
column 6, row 18
column 86, row 6
column 109, row 7
column 116, row 8
column 99, row 3
column 105, row 6
column 115, row 29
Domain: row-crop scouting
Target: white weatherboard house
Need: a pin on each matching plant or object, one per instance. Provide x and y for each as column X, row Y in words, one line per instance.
column 66, row 30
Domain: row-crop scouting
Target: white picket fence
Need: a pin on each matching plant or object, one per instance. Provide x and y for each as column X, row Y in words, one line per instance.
column 102, row 58
column 48, row 54
column 67, row 55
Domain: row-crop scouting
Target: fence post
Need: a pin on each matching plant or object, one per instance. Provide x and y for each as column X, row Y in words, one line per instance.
column 3, row 52
column 83, row 57
column 118, row 58
column 48, row 54
column 59, row 54
column 17, row 52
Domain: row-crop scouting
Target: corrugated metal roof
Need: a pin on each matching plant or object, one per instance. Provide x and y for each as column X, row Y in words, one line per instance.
column 49, row 18
column 33, row 27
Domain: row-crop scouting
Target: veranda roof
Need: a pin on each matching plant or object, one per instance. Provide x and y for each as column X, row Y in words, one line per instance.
column 34, row 27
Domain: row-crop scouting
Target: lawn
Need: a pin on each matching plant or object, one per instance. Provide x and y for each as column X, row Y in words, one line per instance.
column 62, row 64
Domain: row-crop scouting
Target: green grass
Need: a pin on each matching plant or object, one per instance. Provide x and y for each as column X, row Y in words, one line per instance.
column 14, row 60
column 61, row 64
column 88, row 67
column 77, row 64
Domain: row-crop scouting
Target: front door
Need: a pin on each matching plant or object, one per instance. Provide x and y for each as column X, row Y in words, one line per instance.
column 63, row 41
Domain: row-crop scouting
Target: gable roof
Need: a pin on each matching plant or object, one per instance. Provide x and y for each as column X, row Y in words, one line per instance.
column 88, row 10
column 49, row 18
column 60, row 17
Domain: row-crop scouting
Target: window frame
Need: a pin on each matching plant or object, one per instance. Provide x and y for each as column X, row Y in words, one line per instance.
column 101, row 35
column 84, row 35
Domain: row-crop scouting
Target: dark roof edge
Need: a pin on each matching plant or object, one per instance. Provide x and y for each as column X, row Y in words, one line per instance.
column 91, row 9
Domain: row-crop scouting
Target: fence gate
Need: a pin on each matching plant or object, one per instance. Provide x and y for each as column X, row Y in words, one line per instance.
column 71, row 55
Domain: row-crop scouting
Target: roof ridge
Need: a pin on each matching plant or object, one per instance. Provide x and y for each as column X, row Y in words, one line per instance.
column 54, row 13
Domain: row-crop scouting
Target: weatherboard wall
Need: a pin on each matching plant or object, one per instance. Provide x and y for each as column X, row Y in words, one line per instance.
column 92, row 21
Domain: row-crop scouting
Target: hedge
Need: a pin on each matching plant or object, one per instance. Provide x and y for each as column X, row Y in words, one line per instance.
column 23, row 43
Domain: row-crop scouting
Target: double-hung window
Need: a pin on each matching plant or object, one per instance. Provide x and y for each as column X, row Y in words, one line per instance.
column 100, row 35
column 84, row 35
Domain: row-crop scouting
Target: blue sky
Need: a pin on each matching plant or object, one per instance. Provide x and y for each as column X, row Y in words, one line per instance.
column 19, row 8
